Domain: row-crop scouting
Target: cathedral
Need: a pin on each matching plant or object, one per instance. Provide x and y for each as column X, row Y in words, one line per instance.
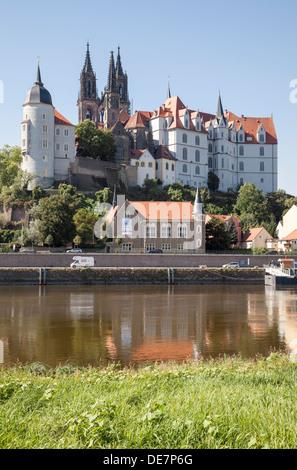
column 171, row 143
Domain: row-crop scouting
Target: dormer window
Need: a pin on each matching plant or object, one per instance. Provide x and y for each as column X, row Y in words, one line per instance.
column 197, row 140
column 186, row 123
column 261, row 137
column 185, row 139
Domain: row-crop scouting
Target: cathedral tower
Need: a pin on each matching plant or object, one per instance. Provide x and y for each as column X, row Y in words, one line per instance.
column 88, row 101
column 111, row 97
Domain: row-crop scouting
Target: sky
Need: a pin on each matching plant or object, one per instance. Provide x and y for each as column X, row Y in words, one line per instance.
column 246, row 49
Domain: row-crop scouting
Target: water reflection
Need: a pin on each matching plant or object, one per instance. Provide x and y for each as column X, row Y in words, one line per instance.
column 134, row 324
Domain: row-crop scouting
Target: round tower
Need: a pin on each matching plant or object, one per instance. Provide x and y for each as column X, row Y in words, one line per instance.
column 38, row 137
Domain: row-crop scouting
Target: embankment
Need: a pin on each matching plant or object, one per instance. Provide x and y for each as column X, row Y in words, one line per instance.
column 105, row 276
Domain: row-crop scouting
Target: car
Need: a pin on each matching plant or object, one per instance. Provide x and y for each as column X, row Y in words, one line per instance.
column 233, row 264
column 156, row 251
column 28, row 250
column 74, row 250
column 271, row 253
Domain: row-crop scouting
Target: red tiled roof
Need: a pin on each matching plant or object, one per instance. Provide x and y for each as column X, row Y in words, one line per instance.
column 61, row 120
column 291, row 236
column 136, row 153
column 124, row 116
column 251, row 126
column 139, row 119
column 163, row 152
column 253, row 233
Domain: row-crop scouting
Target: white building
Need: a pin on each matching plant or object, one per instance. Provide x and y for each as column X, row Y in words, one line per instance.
column 48, row 139
column 237, row 149
column 145, row 163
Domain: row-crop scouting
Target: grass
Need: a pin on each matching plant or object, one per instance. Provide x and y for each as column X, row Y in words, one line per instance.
column 229, row 403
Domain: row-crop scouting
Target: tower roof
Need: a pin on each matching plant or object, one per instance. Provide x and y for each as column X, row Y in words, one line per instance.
column 119, row 68
column 88, row 65
column 38, row 94
column 111, row 81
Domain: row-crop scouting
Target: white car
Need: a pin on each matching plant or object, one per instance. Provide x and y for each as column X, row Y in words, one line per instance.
column 233, row 264
column 74, row 250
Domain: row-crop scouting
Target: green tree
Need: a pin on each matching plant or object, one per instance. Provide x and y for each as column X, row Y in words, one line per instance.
column 216, row 237
column 213, row 181
column 84, row 224
column 94, row 143
column 231, row 231
column 10, row 161
column 55, row 215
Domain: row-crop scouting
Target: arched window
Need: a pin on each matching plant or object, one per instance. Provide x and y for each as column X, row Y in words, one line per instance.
column 167, row 166
column 261, row 166
column 182, row 231
column 241, row 150
column 210, row 148
column 240, row 137
column 209, row 162
column 120, row 150
column 139, row 141
column 197, row 156
column 185, row 168
column 261, row 151
column 197, row 140
column 185, row 154
column 261, row 138
column 172, row 167
column 197, row 170
column 151, row 231
column 165, row 230
column 241, row 166
column 210, row 134
column 185, row 139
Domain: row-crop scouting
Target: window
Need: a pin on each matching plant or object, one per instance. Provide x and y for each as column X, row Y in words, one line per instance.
column 210, row 148
column 44, row 128
column 210, row 134
column 241, row 180
column 209, row 162
column 197, row 170
column 166, row 231
column 185, row 154
column 185, row 168
column 261, row 151
column 241, row 166
column 197, row 140
column 44, row 116
column 157, row 165
column 261, row 166
column 150, row 165
column 223, row 163
column 172, row 166
column 142, row 164
column 44, row 158
column 185, row 139
column 198, row 126
column 182, row 231
column 241, row 150
column 222, row 148
column 120, row 150
column 166, row 246
column 44, row 144
column 150, row 246
column 261, row 138
column 167, row 166
column 66, row 132
column 262, row 180
column 127, row 246
column 65, row 147
column 197, row 156
column 151, row 231
column 181, row 246
column 58, row 131
column 57, row 146
column 240, row 137
column 136, row 163
column 186, row 123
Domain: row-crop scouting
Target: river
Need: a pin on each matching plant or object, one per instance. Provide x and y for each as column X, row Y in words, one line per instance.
column 133, row 325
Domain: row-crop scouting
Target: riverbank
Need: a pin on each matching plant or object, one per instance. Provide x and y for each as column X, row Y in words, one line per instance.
column 106, row 276
column 228, row 404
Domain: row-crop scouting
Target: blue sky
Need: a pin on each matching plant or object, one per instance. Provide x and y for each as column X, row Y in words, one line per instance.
column 247, row 49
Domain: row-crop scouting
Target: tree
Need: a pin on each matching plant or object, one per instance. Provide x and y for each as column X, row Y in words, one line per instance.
column 84, row 224
column 231, row 231
column 216, row 237
column 10, row 161
column 55, row 216
column 213, row 181
column 94, row 143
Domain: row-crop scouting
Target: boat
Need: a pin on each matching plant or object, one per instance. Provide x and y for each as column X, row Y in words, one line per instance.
column 281, row 273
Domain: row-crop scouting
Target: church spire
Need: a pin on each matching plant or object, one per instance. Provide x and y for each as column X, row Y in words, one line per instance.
column 111, row 73
column 168, row 92
column 88, row 65
column 220, row 112
column 198, row 206
column 119, row 69
column 38, row 77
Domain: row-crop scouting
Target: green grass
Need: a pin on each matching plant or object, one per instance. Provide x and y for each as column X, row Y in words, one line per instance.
column 220, row 404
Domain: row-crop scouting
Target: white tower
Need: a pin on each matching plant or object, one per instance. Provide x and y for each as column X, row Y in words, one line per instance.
column 38, row 137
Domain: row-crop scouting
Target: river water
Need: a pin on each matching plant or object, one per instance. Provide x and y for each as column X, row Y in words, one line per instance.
column 132, row 325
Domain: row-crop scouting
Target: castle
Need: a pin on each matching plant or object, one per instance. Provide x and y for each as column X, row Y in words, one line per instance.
column 172, row 143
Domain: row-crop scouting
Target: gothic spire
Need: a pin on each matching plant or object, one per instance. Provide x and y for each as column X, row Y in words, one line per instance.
column 168, row 92
column 220, row 112
column 119, row 69
column 111, row 74
column 38, row 77
column 88, row 65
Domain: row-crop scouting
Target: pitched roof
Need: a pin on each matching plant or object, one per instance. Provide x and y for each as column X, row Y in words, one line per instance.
column 253, row 233
column 291, row 236
column 251, row 126
column 136, row 153
column 124, row 116
column 139, row 119
column 61, row 120
column 163, row 152
column 163, row 210
column 223, row 218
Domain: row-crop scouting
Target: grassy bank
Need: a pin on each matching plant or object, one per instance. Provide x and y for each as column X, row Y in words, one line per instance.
column 229, row 403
